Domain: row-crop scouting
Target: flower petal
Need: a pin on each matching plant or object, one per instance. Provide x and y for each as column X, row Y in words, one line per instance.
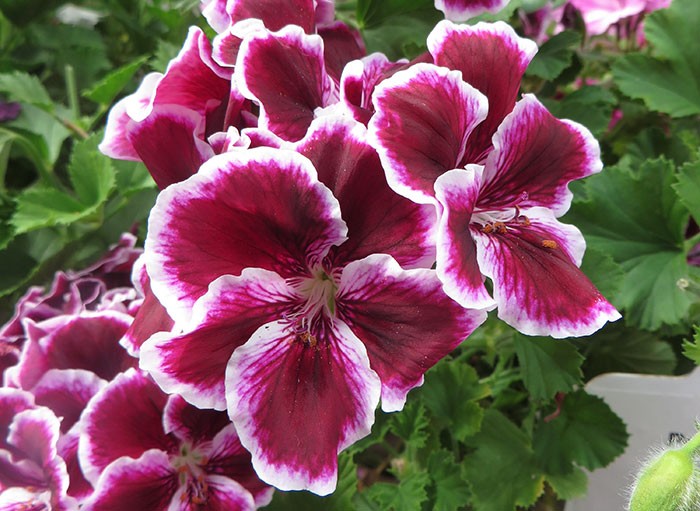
column 259, row 208
column 228, row 457
column 492, row 58
column 404, row 319
column 341, row 45
column 296, row 406
column 423, row 118
column 193, row 363
column 144, row 484
column 462, row 10
column 123, row 419
column 536, row 282
column 35, row 432
column 221, row 494
column 192, row 424
column 275, row 14
column 457, row 267
column 534, row 159
column 170, row 143
column 12, row 401
column 285, row 72
column 378, row 219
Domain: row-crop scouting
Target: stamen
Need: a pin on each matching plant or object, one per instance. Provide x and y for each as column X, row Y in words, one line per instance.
column 550, row 244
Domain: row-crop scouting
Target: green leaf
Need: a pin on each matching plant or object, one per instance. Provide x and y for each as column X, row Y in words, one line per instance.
column 132, row 177
column 618, row 348
column 16, row 266
column 670, row 81
column 554, row 55
column 688, row 188
column 408, row 495
column 91, row 173
column 502, row 469
column 339, row 500
column 646, row 241
column 548, row 365
column 111, row 85
column 450, row 392
column 43, row 131
column 692, row 349
column 372, row 13
column 404, row 36
column 451, row 491
column 43, row 207
column 585, row 432
column 603, row 271
column 569, row 486
column 590, row 105
column 411, row 424
column 25, row 88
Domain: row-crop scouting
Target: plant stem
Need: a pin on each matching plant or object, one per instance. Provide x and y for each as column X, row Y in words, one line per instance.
column 72, row 92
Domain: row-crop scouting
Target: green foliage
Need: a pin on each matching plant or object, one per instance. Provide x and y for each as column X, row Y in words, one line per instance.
column 554, row 55
column 647, row 242
column 548, row 365
column 668, row 81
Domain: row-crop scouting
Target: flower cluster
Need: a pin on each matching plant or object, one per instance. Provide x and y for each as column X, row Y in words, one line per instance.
column 326, row 224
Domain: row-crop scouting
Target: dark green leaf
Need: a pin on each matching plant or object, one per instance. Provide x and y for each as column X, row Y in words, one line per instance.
column 569, row 486
column 450, row 392
column 25, row 88
column 603, row 271
column 554, row 55
column 548, row 365
column 451, row 491
column 16, row 267
column 688, row 188
column 411, row 424
column 670, row 82
column 590, row 105
column 408, row 495
column 646, row 241
column 49, row 133
column 502, row 469
column 586, row 432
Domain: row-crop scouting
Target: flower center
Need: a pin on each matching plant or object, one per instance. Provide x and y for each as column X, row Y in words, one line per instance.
column 318, row 293
column 188, row 464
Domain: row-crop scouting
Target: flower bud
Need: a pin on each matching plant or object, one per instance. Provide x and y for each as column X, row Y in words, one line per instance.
column 669, row 482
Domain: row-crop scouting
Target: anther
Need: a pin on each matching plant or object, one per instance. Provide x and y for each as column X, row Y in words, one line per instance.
column 500, row 227
column 487, row 229
column 549, row 244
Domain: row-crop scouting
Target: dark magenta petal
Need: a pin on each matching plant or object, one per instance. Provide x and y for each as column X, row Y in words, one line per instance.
column 275, row 14
column 144, row 484
column 404, row 319
column 358, row 80
column 192, row 424
column 34, row 433
column 534, row 159
column 378, row 219
column 228, row 457
column 341, row 44
column 91, row 342
column 150, row 318
column 170, row 142
column 79, row 487
column 296, row 405
column 492, row 58
column 462, row 10
column 193, row 363
column 124, row 419
column 536, row 281
column 285, row 73
column 424, row 117
column 262, row 208
column 457, row 267
column 12, row 401
column 215, row 493
column 67, row 392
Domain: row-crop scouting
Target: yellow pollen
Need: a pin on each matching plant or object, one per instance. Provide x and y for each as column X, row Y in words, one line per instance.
column 549, row 244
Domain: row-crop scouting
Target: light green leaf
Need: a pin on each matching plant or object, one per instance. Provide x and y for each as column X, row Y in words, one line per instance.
column 569, row 486
column 603, row 271
column 451, row 491
column 450, row 391
column 411, row 424
column 25, row 88
column 43, row 207
column 91, row 173
column 585, row 432
column 548, row 365
column 646, row 241
column 692, row 349
column 670, row 81
column 43, row 131
column 108, row 87
column 554, row 55
column 502, row 469
column 408, row 495
column 688, row 188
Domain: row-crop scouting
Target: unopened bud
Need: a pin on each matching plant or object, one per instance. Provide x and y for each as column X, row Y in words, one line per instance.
column 670, row 482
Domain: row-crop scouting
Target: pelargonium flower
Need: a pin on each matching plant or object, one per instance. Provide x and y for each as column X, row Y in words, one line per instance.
column 499, row 221
column 32, row 474
column 144, row 450
column 294, row 319
column 462, row 10
column 599, row 15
